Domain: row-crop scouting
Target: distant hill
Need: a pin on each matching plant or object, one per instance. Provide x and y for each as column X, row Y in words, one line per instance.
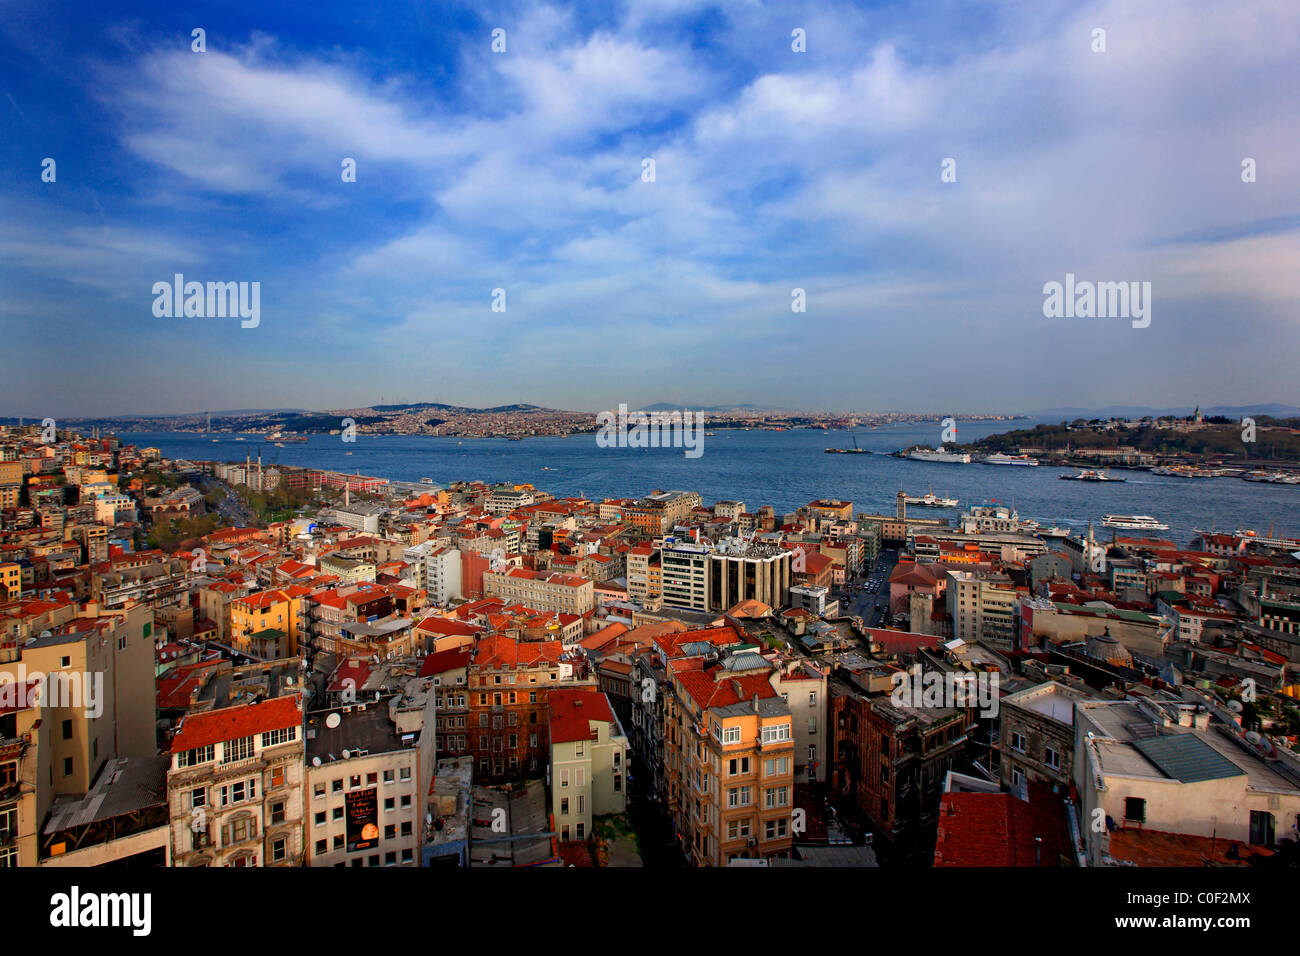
column 1274, row 409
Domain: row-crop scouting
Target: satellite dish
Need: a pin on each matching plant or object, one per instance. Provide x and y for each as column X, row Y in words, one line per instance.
column 1235, row 706
column 347, row 754
column 333, row 720
column 315, row 761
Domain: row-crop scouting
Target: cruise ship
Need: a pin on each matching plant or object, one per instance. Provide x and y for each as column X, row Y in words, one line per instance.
column 938, row 454
column 1089, row 475
column 998, row 458
column 1134, row 523
column 930, row 500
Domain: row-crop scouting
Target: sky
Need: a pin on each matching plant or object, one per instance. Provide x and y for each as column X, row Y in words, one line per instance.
column 774, row 169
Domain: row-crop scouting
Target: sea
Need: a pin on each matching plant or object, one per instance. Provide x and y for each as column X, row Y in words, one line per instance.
column 784, row 469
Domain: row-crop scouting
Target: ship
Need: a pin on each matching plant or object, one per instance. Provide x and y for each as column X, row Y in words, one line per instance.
column 930, row 500
column 998, row 458
column 1089, row 475
column 939, row 455
column 855, row 450
column 1134, row 523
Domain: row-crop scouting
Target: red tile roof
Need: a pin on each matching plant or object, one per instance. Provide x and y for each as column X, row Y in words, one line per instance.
column 232, row 723
column 571, row 711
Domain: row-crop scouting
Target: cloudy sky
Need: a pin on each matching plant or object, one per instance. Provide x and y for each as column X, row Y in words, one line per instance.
column 773, row 170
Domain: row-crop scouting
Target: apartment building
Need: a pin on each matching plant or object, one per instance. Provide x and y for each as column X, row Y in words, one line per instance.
column 437, row 570
column 588, row 761
column 369, row 769
column 544, row 591
column 508, row 686
column 891, row 762
column 734, row 762
column 97, row 696
column 1036, row 735
column 982, row 607
column 24, row 771
column 235, row 788
column 447, row 676
column 803, row 687
column 281, row 609
column 502, row 501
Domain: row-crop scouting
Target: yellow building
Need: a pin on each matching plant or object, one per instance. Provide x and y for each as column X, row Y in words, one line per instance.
column 278, row 610
column 11, row 580
column 735, row 798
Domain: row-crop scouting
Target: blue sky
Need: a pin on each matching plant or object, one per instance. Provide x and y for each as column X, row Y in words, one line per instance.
column 774, row 170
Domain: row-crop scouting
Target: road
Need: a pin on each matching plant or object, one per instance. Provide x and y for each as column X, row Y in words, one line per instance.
column 870, row 605
column 654, row 831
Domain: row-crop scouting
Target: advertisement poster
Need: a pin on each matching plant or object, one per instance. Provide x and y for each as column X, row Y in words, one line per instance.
column 362, row 808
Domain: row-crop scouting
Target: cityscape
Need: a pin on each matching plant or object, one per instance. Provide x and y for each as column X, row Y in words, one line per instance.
column 857, row 438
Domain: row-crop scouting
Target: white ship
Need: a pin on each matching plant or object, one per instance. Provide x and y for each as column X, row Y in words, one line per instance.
column 938, row 454
column 930, row 500
column 1134, row 523
column 998, row 458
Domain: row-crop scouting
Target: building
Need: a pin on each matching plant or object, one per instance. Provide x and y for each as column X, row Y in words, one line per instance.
column 731, row 753
column 1036, row 735
column 544, row 591
column 369, row 769
column 1155, row 767
column 982, row 607
column 235, row 788
column 588, row 761
column 437, row 570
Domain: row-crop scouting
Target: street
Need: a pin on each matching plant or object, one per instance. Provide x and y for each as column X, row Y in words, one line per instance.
column 867, row 595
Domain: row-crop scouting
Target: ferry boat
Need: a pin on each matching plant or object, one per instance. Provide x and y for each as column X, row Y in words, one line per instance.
column 939, row 455
column 930, row 500
column 1089, row 475
column 998, row 458
column 426, row 481
column 1134, row 523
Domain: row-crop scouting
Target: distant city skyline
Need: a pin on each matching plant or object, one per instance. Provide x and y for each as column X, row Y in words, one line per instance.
column 774, row 170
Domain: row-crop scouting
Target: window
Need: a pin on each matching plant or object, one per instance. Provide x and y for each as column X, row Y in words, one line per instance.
column 1052, row 758
column 564, row 806
column 67, row 766
column 1135, row 809
column 776, row 733
column 336, row 786
column 582, row 803
column 282, row 736
column 192, row 758
column 277, row 812
column 581, row 831
column 199, row 797
column 279, row 850
column 405, row 773
column 321, row 847
column 240, row 749
column 564, row 776
column 731, row 735
column 277, row 777
column 320, row 818
column 67, row 730
column 1018, row 742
